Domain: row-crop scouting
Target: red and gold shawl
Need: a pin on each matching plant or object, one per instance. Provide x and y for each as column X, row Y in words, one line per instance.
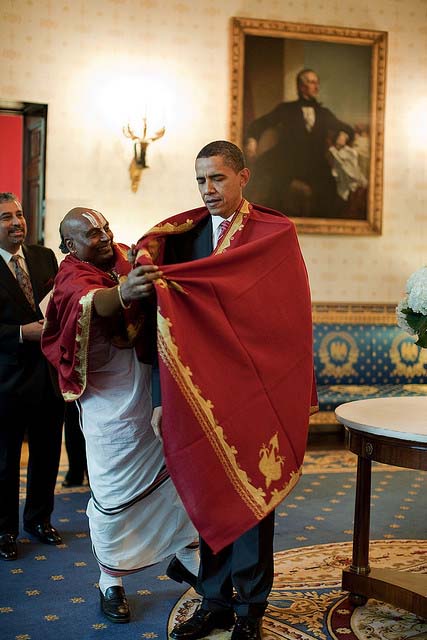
column 66, row 333
column 236, row 367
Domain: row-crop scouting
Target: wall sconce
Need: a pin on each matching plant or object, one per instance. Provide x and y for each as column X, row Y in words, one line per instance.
column 139, row 149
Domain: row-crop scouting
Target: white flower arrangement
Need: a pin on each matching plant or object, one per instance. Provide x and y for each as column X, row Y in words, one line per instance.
column 411, row 312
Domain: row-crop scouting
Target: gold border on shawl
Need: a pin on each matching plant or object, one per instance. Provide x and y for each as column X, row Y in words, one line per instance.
column 168, row 227
column 165, row 283
column 202, row 408
column 236, row 226
column 143, row 252
column 82, row 343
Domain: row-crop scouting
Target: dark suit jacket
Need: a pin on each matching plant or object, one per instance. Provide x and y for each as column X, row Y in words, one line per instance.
column 305, row 151
column 298, row 154
column 183, row 247
column 23, row 368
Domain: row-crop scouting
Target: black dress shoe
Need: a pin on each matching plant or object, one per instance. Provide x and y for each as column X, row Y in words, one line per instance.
column 201, row 623
column 44, row 532
column 247, row 628
column 114, row 604
column 176, row 571
column 8, row 548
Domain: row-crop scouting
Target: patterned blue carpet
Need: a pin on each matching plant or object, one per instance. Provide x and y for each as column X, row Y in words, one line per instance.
column 51, row 593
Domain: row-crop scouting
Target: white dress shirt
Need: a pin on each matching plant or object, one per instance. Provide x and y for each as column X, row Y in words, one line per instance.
column 7, row 256
column 309, row 117
column 216, row 231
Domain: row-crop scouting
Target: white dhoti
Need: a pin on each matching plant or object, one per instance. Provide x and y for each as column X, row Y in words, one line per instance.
column 136, row 517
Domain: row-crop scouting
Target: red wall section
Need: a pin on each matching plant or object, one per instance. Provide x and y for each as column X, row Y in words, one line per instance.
column 11, row 145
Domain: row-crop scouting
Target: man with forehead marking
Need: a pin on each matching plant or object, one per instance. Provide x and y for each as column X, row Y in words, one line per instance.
column 96, row 218
column 93, row 324
column 74, row 440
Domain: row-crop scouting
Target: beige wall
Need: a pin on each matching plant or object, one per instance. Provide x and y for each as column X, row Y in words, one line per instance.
column 98, row 62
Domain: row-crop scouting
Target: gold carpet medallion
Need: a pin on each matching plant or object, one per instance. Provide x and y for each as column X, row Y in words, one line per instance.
column 307, row 603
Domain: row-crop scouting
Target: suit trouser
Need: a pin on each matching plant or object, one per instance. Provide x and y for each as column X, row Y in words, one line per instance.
column 43, row 424
column 74, row 444
column 247, row 565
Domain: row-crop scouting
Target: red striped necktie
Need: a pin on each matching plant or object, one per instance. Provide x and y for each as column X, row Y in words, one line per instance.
column 223, row 228
column 24, row 281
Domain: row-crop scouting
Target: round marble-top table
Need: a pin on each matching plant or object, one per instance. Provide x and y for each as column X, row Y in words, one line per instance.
column 391, row 431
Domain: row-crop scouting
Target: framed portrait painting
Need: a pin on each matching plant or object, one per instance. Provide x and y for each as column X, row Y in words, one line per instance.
column 307, row 108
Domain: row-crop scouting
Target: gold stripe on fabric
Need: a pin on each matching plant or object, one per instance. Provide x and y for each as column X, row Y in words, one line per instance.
column 254, row 497
column 236, row 226
column 82, row 340
column 354, row 313
column 168, row 227
column 70, row 395
column 165, row 283
column 132, row 331
column 143, row 252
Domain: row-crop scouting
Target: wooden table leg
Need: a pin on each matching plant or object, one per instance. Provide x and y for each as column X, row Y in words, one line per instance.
column 362, row 510
column 402, row 589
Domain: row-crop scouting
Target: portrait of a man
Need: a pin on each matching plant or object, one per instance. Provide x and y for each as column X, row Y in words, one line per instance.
column 305, row 109
column 297, row 153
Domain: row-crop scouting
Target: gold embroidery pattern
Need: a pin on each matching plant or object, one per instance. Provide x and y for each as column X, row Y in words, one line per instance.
column 254, row 498
column 143, row 252
column 153, row 247
column 416, row 388
column 82, row 340
column 169, row 284
column 353, row 389
column 168, row 227
column 408, row 359
column 132, row 331
column 152, row 252
column 236, row 226
column 354, row 313
column 323, row 417
column 338, row 353
column 132, row 328
column 271, row 462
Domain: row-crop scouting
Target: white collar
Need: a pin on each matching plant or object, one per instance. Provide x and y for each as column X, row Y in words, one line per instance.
column 217, row 220
column 6, row 255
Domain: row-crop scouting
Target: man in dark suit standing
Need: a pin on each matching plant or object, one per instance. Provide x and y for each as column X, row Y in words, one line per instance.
column 288, row 148
column 235, row 576
column 247, row 564
column 29, row 401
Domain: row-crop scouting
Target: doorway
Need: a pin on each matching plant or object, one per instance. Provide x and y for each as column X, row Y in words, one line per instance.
column 23, row 127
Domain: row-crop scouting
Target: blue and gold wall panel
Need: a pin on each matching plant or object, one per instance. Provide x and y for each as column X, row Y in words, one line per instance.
column 360, row 352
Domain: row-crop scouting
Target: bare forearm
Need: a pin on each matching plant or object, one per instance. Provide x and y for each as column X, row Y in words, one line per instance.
column 107, row 302
column 138, row 285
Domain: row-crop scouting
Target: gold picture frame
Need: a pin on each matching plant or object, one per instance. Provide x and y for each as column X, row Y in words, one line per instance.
column 350, row 65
